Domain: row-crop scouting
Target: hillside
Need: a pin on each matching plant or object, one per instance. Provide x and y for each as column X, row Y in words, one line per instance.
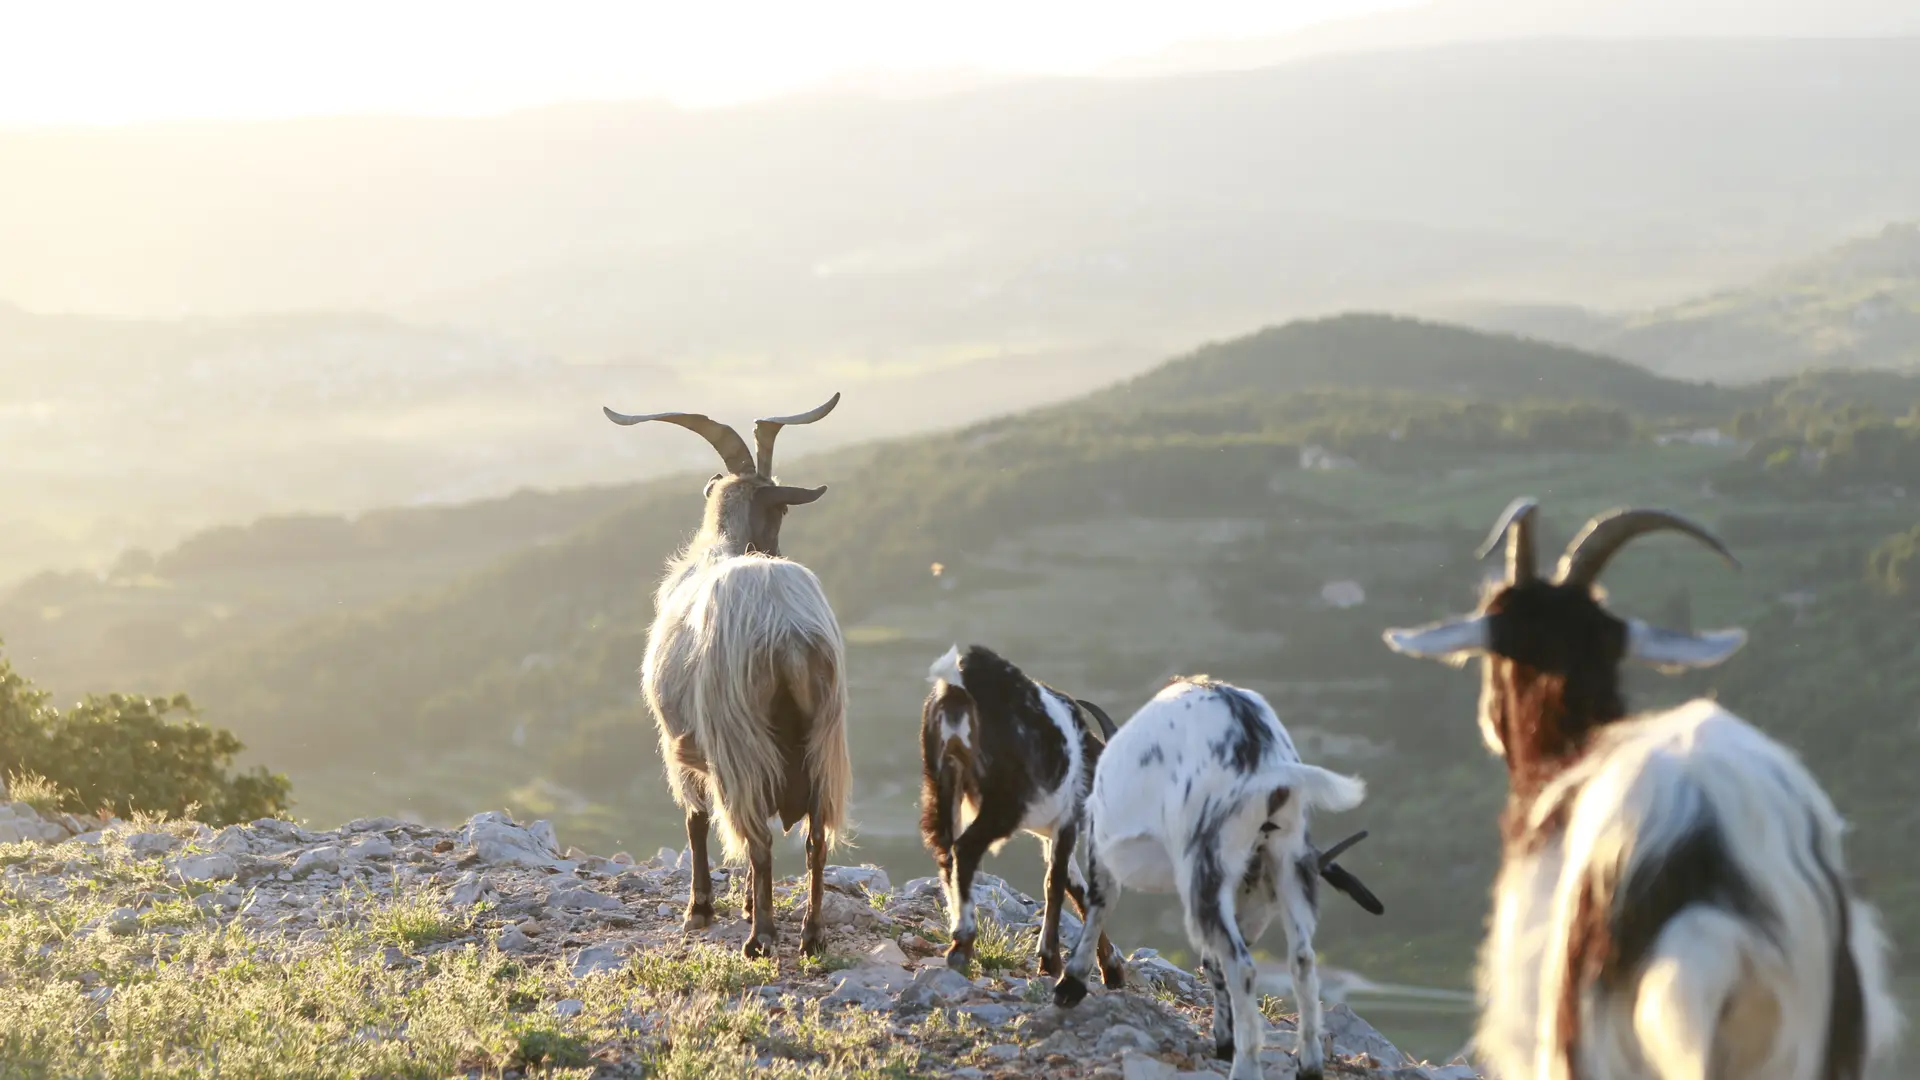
column 167, row 949
column 1191, row 519
column 1854, row 306
column 135, row 433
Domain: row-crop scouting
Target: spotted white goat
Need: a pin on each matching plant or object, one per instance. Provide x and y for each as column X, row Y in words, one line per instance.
column 745, row 676
column 1202, row 793
column 1014, row 754
column 1672, row 902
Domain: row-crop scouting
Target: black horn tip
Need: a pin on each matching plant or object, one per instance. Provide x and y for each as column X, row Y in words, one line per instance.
column 1517, row 509
column 1341, row 848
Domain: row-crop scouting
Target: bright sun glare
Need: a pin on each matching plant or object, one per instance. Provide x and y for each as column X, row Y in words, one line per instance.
column 106, row 62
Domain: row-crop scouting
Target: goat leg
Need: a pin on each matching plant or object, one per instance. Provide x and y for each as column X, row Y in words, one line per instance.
column 700, row 892
column 765, row 939
column 813, row 936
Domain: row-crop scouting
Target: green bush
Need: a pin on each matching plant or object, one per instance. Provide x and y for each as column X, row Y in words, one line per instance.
column 125, row 754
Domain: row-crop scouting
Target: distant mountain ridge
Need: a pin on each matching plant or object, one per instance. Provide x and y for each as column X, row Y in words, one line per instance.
column 1856, row 305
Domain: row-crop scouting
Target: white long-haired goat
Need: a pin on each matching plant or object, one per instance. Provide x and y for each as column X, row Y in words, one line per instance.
column 745, row 676
column 1672, row 902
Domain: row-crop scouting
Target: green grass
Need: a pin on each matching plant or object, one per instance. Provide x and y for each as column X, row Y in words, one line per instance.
column 997, row 948
column 701, row 967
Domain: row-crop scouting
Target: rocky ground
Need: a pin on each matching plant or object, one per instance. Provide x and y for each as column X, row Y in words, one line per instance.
column 386, row 948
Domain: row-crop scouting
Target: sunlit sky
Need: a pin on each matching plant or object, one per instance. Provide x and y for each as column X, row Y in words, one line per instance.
column 95, row 62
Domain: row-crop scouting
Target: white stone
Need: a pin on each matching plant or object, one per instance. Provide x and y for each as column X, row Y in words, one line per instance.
column 218, row 866
column 470, row 889
column 936, row 986
column 838, row 909
column 583, row 898
column 854, row 879
column 370, row 847
column 151, row 843
column 596, row 958
column 1122, row 1037
column 499, row 842
column 1135, row 1065
column 317, row 860
column 569, row 1007
column 886, row 953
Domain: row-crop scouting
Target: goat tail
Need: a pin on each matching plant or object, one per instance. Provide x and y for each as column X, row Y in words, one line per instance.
column 947, row 669
column 1321, row 789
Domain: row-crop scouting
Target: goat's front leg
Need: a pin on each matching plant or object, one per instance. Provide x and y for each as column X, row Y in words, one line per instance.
column 813, row 937
column 700, row 890
column 1101, row 892
column 765, row 936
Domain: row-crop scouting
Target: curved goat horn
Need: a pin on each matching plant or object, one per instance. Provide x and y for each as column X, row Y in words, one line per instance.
column 764, row 431
column 1605, row 535
column 1344, row 879
column 732, row 448
column 1516, row 524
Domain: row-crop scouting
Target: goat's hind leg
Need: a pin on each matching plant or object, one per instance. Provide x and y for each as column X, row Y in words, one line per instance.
column 1113, row 966
column 993, row 824
column 1213, row 921
column 1059, row 854
column 693, row 788
column 813, row 938
column 765, row 936
column 1101, row 892
column 1299, row 914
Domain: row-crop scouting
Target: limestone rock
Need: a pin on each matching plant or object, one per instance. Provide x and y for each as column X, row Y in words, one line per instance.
column 1352, row 1036
column 840, row 910
column 935, row 986
column 499, row 842
column 583, row 898
column 886, row 953
column 317, row 860
column 857, row 879
column 217, row 866
column 147, row 844
column 596, row 958
column 370, row 847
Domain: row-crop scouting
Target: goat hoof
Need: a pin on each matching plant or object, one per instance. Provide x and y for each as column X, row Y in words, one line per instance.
column 697, row 919
column 1069, row 992
column 760, row 946
column 1223, row 1050
column 1313, row 1073
column 959, row 955
column 813, row 940
column 1050, row 966
column 1115, row 976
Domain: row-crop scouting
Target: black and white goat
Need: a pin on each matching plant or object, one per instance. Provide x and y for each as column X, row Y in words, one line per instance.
column 745, row 675
column 1202, row 793
column 1672, row 902
column 1015, row 754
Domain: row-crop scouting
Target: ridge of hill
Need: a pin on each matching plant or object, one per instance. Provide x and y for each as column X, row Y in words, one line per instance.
column 485, row 951
column 1856, row 305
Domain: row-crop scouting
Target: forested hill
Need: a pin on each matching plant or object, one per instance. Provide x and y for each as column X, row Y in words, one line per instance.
column 1259, row 509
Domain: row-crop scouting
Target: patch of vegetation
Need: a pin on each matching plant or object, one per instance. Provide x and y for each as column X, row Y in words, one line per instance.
column 998, row 948
column 701, row 967
column 120, row 754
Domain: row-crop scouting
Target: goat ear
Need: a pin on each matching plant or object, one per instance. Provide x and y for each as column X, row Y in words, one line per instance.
column 712, row 480
column 791, row 496
column 1676, row 650
column 1452, row 640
